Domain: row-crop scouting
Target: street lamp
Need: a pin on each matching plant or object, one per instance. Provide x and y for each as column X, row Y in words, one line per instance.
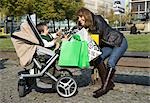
column 139, row 6
column 116, row 24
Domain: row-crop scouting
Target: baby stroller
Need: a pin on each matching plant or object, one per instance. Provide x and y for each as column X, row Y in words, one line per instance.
column 29, row 47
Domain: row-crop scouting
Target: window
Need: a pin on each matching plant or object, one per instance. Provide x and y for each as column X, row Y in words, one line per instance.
column 138, row 6
column 148, row 6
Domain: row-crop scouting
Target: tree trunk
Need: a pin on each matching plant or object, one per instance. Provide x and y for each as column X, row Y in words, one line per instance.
column 68, row 23
column 54, row 25
column 12, row 23
column 6, row 25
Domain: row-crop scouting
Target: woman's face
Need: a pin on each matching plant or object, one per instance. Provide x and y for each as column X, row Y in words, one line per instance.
column 81, row 19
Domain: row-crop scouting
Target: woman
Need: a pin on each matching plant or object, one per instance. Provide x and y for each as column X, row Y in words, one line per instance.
column 113, row 45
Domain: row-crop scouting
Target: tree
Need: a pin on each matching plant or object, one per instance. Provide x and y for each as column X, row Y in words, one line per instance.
column 69, row 8
column 45, row 9
column 57, row 9
column 1, row 11
column 17, row 7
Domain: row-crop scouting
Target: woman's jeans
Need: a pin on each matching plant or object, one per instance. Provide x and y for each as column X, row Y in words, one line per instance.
column 113, row 54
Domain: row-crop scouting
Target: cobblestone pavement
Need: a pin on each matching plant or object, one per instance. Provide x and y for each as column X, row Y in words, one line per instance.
column 126, row 92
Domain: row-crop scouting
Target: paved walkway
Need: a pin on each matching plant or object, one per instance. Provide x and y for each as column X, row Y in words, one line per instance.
column 122, row 93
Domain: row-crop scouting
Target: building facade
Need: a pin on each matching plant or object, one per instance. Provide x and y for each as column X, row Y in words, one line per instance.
column 140, row 8
column 141, row 11
column 99, row 6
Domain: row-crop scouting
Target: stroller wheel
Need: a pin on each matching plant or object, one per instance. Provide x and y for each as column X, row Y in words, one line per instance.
column 66, row 87
column 21, row 87
column 21, row 90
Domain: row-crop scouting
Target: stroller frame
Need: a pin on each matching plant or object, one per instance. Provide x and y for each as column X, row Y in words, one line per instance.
column 65, row 86
column 50, row 61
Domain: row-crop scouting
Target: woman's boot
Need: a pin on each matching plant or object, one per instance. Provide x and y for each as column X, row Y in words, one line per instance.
column 108, row 84
column 102, row 70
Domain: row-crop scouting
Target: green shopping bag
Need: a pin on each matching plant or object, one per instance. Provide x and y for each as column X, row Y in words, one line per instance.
column 69, row 54
column 74, row 53
column 84, row 57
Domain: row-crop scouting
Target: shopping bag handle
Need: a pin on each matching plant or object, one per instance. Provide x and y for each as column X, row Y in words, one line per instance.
column 76, row 37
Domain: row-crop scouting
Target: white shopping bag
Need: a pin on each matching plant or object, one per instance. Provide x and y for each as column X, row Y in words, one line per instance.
column 93, row 48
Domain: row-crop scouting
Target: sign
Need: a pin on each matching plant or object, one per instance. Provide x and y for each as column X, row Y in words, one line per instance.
column 119, row 6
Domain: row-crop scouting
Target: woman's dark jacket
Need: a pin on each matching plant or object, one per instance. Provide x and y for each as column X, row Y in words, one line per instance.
column 109, row 35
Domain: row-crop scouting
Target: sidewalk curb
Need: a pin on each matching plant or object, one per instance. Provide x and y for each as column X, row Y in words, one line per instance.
column 137, row 54
column 127, row 54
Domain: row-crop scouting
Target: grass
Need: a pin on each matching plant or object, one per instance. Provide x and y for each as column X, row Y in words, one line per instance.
column 137, row 43
column 6, row 44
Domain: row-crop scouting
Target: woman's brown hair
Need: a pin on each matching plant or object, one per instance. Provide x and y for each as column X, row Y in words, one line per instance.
column 88, row 15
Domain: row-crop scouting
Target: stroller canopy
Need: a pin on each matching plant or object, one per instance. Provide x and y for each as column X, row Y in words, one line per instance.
column 25, row 43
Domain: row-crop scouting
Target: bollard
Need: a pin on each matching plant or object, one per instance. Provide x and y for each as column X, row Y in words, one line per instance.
column 2, row 30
